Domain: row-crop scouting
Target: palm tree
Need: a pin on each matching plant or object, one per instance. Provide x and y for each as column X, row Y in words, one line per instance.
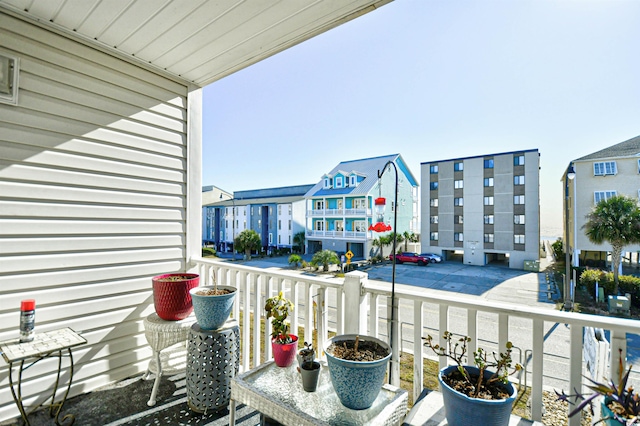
column 247, row 241
column 409, row 237
column 324, row 258
column 616, row 220
column 298, row 240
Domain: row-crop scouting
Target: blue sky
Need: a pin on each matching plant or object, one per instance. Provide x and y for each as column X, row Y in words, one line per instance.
column 433, row 80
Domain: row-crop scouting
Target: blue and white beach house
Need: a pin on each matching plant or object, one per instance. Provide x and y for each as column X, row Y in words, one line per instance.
column 340, row 208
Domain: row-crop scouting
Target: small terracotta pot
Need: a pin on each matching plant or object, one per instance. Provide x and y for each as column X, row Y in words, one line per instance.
column 283, row 355
column 171, row 299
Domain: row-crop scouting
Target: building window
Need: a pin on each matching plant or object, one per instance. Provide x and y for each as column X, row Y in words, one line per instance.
column 338, row 181
column 518, row 219
column 458, row 201
column 360, row 225
column 433, row 202
column 604, row 168
column 259, row 223
column 279, row 208
column 279, row 224
column 518, row 199
column 518, row 239
column 319, row 225
column 327, row 182
column 458, row 167
column 488, row 238
column 433, row 185
column 518, row 160
column 270, row 238
column 488, row 163
column 458, row 219
column 488, row 219
column 458, row 236
column 353, row 181
column 433, row 169
column 518, row 180
column 433, row 236
column 603, row 195
column 488, row 182
column 279, row 239
column 433, row 219
column 488, row 201
column 319, row 205
column 289, row 224
column 458, row 184
column 339, row 225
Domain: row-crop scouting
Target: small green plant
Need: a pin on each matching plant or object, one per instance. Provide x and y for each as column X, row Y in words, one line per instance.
column 307, row 353
column 623, row 402
column 457, row 350
column 279, row 308
column 325, row 258
column 295, row 260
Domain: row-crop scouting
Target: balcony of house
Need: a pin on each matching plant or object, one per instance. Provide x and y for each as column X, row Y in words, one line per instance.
column 340, row 212
column 354, row 304
column 352, row 235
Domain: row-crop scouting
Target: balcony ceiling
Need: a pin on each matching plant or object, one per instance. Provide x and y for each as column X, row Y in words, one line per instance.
column 199, row 41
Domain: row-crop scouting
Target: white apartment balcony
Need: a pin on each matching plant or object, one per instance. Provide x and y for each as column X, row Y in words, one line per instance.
column 340, row 212
column 356, row 305
column 353, row 235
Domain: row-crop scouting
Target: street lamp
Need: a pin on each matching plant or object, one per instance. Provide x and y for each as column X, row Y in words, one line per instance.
column 569, row 176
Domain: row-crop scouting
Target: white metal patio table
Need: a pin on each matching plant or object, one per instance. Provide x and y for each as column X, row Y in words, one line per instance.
column 277, row 393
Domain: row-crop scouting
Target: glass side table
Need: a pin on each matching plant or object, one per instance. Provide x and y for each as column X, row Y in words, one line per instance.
column 277, row 393
column 44, row 345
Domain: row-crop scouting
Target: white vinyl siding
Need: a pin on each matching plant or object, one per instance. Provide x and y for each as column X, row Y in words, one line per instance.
column 95, row 195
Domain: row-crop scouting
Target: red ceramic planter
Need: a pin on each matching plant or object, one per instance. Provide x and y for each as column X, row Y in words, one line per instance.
column 172, row 299
column 283, row 355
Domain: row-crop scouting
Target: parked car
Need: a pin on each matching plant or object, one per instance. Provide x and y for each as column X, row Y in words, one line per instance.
column 410, row 257
column 433, row 258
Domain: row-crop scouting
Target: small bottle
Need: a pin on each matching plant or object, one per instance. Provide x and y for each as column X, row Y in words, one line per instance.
column 27, row 320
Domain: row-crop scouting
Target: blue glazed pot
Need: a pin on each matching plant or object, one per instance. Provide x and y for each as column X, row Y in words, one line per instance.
column 357, row 383
column 212, row 311
column 462, row 410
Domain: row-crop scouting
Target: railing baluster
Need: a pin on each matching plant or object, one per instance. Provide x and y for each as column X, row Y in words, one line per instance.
column 295, row 299
column 246, row 321
column 308, row 312
column 575, row 367
column 257, row 310
column 443, row 325
column 418, row 358
column 503, row 331
column 339, row 311
column 537, row 331
column 373, row 314
column 472, row 330
column 322, row 320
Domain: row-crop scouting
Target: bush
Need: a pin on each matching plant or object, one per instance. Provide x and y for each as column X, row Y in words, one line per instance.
column 558, row 251
column 628, row 284
column 208, row 251
column 295, row 260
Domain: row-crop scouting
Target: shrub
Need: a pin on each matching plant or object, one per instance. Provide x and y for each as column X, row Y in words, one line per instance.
column 208, row 251
column 558, row 250
column 628, row 284
column 295, row 260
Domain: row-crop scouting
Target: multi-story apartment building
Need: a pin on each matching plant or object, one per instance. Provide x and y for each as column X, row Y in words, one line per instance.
column 611, row 171
column 340, row 208
column 211, row 194
column 485, row 207
column 276, row 214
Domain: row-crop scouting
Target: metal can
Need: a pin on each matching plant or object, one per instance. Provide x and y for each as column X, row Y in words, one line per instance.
column 27, row 320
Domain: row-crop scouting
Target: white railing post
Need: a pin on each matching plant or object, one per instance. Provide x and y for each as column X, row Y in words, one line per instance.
column 537, row 366
column 257, row 310
column 618, row 349
column 373, row 314
column 418, row 357
column 355, row 317
column 443, row 325
column 575, row 368
column 322, row 320
column 246, row 320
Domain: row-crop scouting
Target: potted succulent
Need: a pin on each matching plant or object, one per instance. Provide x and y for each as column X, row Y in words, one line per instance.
column 620, row 405
column 473, row 394
column 357, row 366
column 308, row 367
column 171, row 297
column 212, row 304
column 283, row 343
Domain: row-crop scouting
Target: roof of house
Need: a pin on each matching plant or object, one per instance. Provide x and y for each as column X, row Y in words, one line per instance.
column 282, row 195
column 367, row 167
column 629, row 148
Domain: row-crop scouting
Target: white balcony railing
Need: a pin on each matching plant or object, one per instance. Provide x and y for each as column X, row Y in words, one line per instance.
column 341, row 212
column 338, row 234
column 421, row 313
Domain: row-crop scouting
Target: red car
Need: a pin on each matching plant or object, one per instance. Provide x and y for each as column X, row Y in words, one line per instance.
column 410, row 257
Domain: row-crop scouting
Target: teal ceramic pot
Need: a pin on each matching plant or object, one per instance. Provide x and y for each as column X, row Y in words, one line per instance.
column 357, row 383
column 462, row 410
column 212, row 311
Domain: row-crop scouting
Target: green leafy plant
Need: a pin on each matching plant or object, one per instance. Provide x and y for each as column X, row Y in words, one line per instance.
column 295, row 260
column 247, row 241
column 500, row 364
column 325, row 258
column 622, row 401
column 279, row 308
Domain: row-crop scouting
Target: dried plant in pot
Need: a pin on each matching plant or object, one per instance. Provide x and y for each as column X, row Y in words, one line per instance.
column 213, row 304
column 171, row 297
column 357, row 367
column 620, row 405
column 283, row 343
column 479, row 394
